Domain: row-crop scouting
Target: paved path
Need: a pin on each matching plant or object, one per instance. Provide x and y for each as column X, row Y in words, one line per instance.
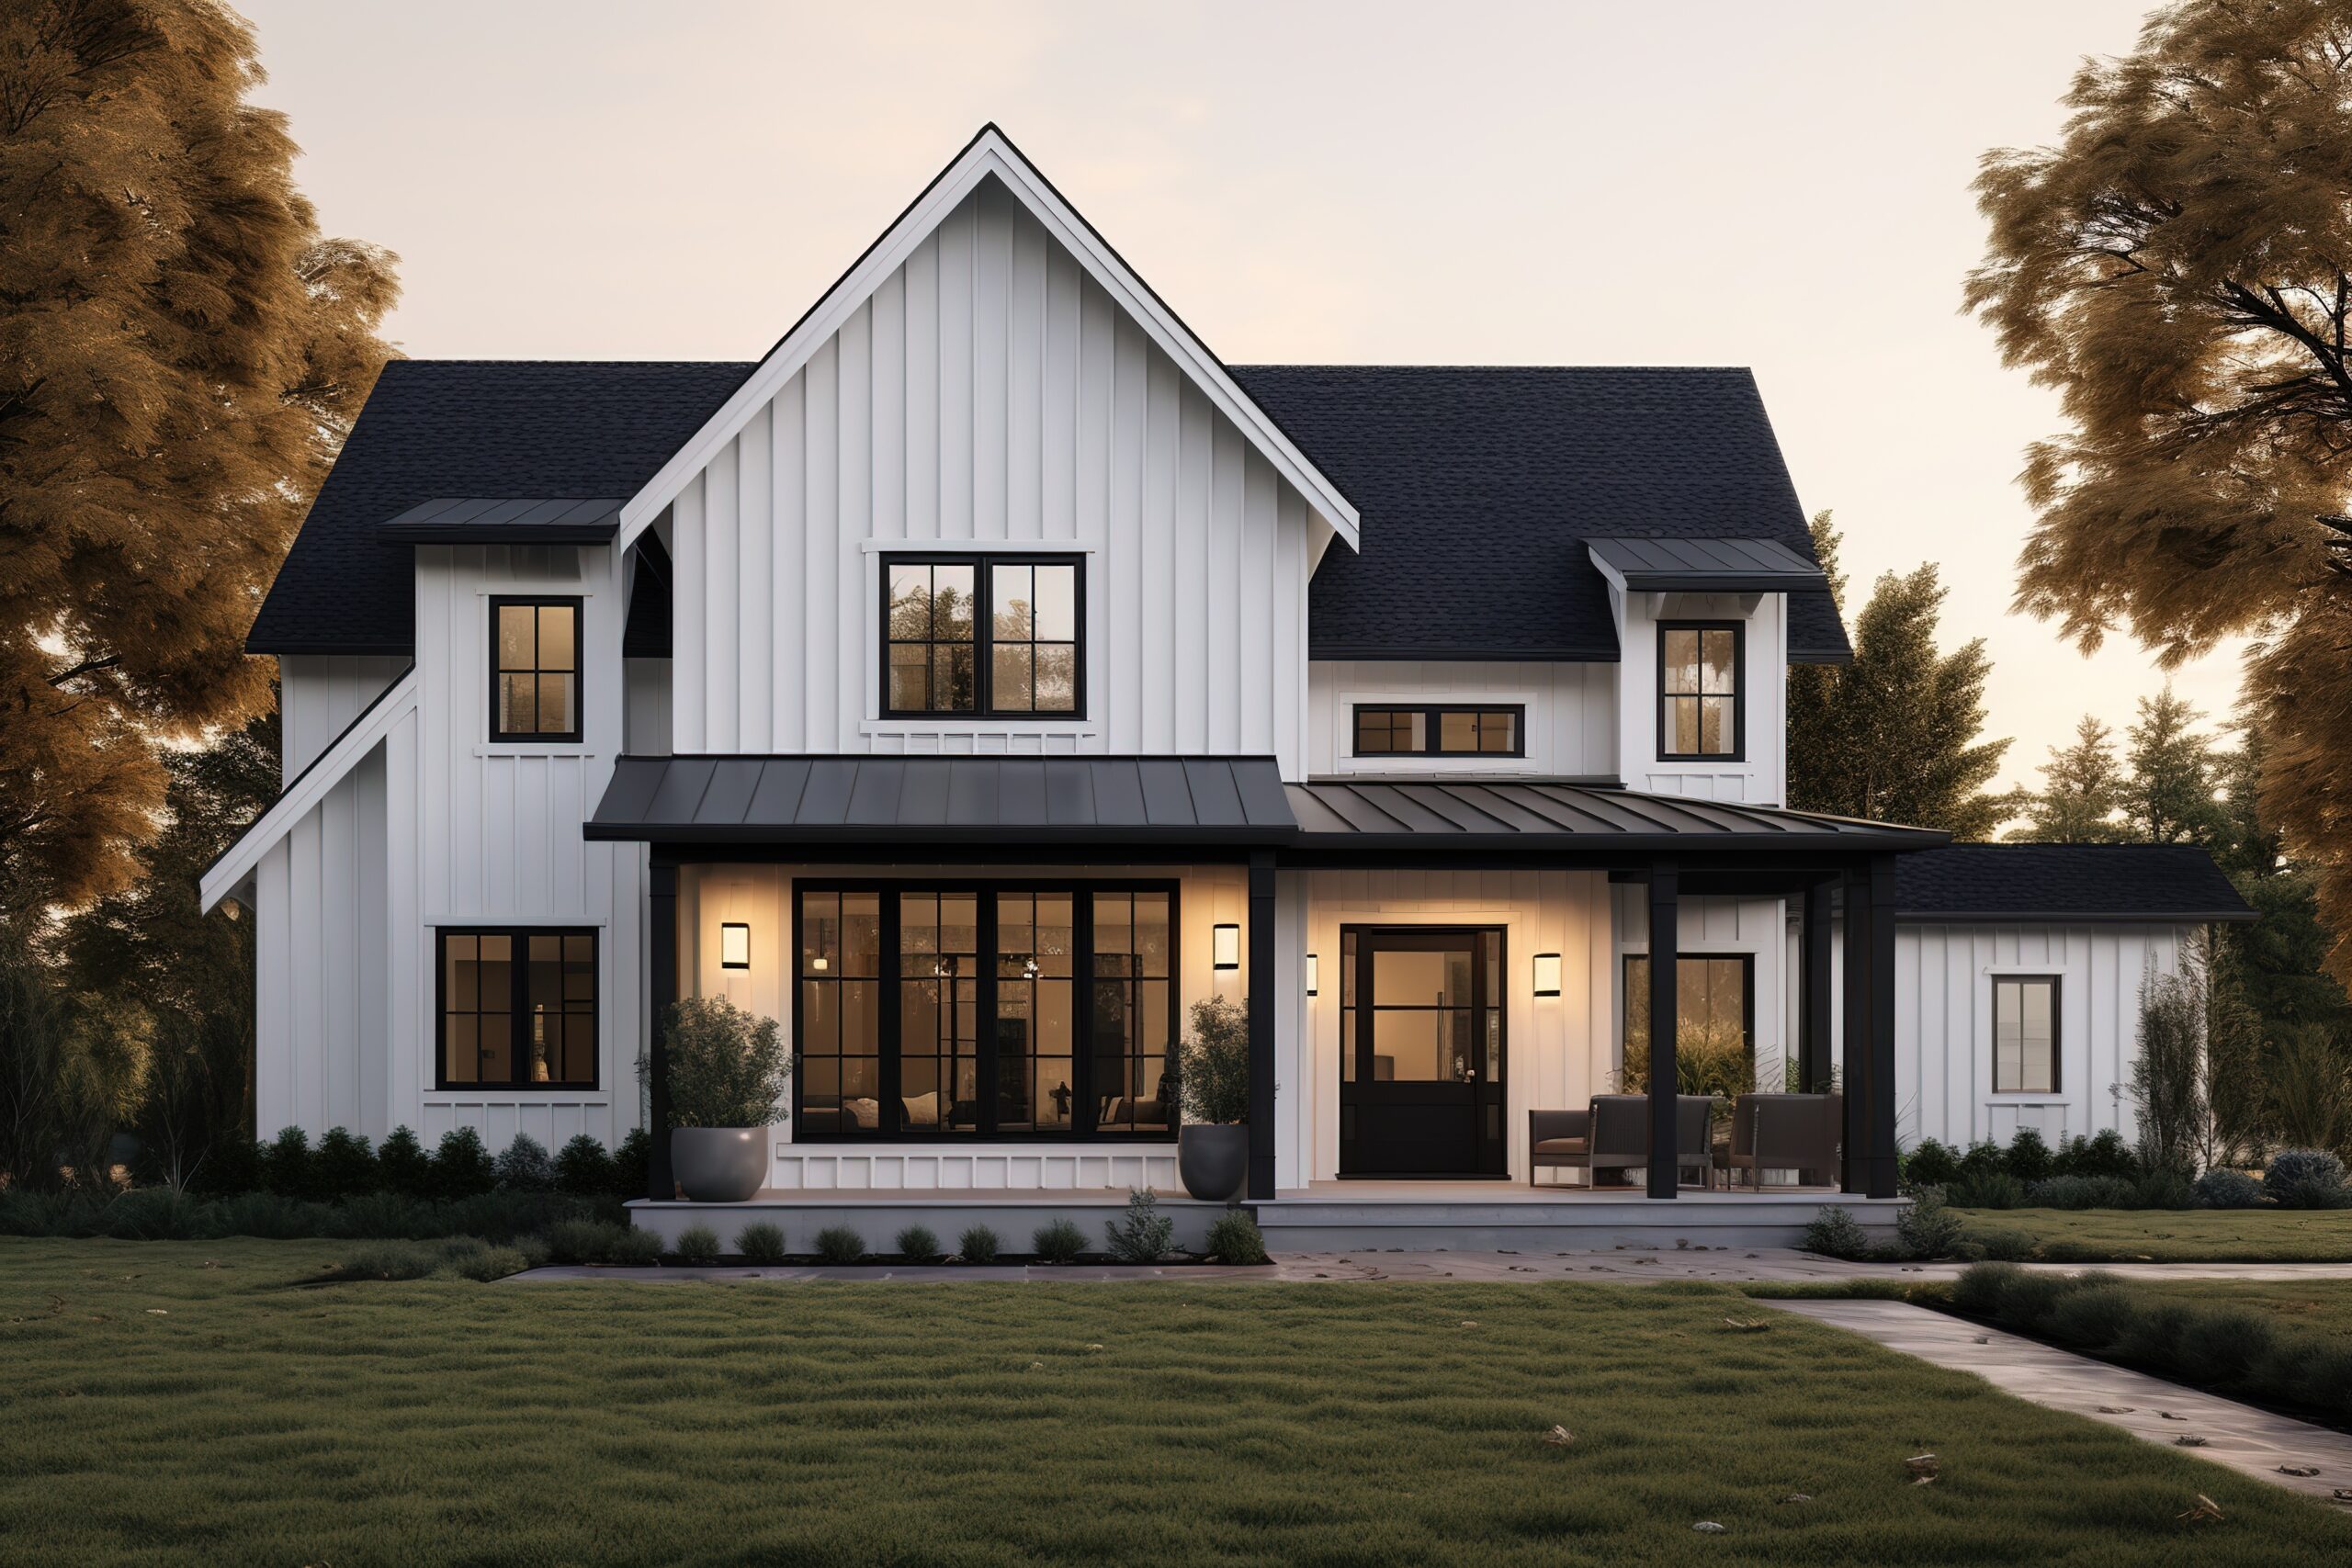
column 1616, row 1267
column 2253, row 1441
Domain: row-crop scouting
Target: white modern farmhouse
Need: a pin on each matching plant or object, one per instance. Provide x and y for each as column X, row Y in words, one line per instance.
column 989, row 672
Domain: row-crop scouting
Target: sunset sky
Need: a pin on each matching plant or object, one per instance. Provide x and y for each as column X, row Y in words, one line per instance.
column 1784, row 187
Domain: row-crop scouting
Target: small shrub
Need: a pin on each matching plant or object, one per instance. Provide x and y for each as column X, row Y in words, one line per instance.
column 2153, row 1337
column 583, row 1168
column 268, row 1216
column 461, row 1166
column 2299, row 1371
column 2305, row 1178
column 402, row 1165
column 2105, row 1155
column 345, row 1165
column 524, row 1166
column 1060, row 1242
column 696, row 1244
column 1233, row 1239
column 469, row 1258
column 634, row 1249
column 388, row 1260
column 2221, row 1347
column 839, row 1243
column 2095, row 1318
column 1835, row 1232
column 231, row 1164
column 2028, row 1159
column 1983, row 1157
column 535, row 1251
column 1932, row 1164
column 978, row 1245
column 583, row 1241
column 2000, row 1243
column 2222, row 1188
column 152, row 1214
column 1979, row 1291
column 1213, row 1070
column 2162, row 1187
column 2084, row 1192
column 1983, row 1189
column 761, row 1243
column 1143, row 1235
column 286, row 1165
column 1927, row 1228
column 2031, row 1297
column 727, row 1068
column 631, row 1163
column 918, row 1243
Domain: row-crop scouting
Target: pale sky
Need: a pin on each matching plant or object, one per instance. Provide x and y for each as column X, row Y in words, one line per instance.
column 1780, row 186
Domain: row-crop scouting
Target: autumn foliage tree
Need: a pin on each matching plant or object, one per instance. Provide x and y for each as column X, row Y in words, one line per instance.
column 2180, row 269
column 180, row 354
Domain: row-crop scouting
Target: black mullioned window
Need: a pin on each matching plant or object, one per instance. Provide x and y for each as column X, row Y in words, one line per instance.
column 535, row 669
column 2024, row 1034
column 1714, row 1021
column 1488, row 730
column 518, row 1008
column 986, row 635
column 1698, row 671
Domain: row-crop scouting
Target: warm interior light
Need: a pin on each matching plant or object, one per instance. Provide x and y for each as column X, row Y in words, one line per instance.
column 1311, row 974
column 1547, row 974
column 1227, row 948
column 734, row 945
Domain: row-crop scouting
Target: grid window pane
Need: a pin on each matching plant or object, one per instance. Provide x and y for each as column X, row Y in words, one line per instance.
column 1699, row 692
column 982, row 634
column 535, row 685
column 518, row 1008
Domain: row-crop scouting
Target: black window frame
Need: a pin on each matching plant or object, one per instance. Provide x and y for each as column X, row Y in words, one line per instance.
column 1747, row 994
column 579, row 608
column 2057, row 1032
column 983, row 564
column 1738, row 694
column 519, row 1009
column 890, row 1123
column 1432, row 717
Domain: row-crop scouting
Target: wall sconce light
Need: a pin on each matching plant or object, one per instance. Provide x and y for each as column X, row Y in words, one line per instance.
column 1226, row 949
column 1312, row 969
column 734, row 945
column 1547, row 974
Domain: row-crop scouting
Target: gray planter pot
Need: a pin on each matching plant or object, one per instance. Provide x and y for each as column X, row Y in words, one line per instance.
column 718, row 1165
column 1214, row 1160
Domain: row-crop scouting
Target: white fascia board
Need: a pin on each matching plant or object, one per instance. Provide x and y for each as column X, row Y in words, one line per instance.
column 310, row 786
column 989, row 153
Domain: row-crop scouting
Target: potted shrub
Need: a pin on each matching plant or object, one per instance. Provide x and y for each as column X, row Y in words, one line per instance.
column 1212, row 1147
column 728, row 1073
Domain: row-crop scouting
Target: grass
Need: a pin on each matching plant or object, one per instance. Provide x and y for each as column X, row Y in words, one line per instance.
column 161, row 1409
column 2321, row 1306
column 2166, row 1236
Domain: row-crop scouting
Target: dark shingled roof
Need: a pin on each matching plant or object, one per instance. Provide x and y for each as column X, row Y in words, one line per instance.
column 513, row 429
column 2068, row 882
column 1477, row 487
column 1477, row 490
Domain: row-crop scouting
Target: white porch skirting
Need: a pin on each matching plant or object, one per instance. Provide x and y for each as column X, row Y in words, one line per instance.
column 1015, row 1167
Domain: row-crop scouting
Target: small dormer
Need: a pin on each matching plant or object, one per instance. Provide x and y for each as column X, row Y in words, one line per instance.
column 1702, row 629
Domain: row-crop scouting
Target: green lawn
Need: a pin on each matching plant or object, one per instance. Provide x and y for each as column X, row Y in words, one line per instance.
column 158, row 1409
column 2321, row 1306
column 2187, row 1235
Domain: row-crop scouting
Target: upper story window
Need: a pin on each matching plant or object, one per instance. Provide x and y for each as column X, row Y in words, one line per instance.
column 2024, row 1034
column 984, row 636
column 535, row 669
column 1698, row 671
column 1383, row 731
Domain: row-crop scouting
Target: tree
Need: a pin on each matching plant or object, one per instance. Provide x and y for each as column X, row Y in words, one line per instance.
column 2082, row 790
column 2171, row 795
column 2179, row 268
column 180, row 356
column 1894, row 735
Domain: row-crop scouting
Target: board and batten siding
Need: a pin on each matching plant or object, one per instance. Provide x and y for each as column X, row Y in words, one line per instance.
column 319, row 695
column 1571, row 714
column 990, row 392
column 1760, row 776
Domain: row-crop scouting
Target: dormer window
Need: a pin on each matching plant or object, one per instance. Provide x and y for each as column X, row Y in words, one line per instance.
column 534, row 670
column 983, row 637
column 1700, row 666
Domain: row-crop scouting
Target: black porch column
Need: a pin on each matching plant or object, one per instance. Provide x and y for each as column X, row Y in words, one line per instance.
column 1813, row 1025
column 1882, row 1182
column 1666, row 1170
column 1262, row 1003
column 1860, row 1012
column 662, row 930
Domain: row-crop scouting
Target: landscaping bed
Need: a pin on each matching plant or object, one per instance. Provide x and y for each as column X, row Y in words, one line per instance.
column 177, row 1403
column 2165, row 1235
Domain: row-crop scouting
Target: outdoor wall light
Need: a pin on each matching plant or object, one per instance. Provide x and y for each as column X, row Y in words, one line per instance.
column 734, row 945
column 1547, row 974
column 1311, row 974
column 1226, row 949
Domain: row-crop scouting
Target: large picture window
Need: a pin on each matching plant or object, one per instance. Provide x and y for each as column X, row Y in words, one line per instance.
column 535, row 669
column 1698, row 671
column 2024, row 1034
column 1714, row 1036
column 518, row 1008
column 985, row 1009
column 1491, row 730
column 983, row 636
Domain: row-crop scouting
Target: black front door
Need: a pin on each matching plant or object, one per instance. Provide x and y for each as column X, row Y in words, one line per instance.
column 1420, row 1051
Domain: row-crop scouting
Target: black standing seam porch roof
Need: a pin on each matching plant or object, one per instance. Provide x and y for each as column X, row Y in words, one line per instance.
column 1232, row 801
column 461, row 520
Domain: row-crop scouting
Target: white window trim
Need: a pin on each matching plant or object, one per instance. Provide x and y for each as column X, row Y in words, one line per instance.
column 1089, row 644
column 2068, row 975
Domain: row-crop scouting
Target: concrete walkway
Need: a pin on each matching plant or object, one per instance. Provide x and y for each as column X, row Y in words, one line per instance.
column 1617, row 1267
column 2266, row 1446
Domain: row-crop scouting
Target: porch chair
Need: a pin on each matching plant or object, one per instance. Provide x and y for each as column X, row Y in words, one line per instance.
column 1782, row 1131
column 1617, row 1137
column 1558, row 1140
